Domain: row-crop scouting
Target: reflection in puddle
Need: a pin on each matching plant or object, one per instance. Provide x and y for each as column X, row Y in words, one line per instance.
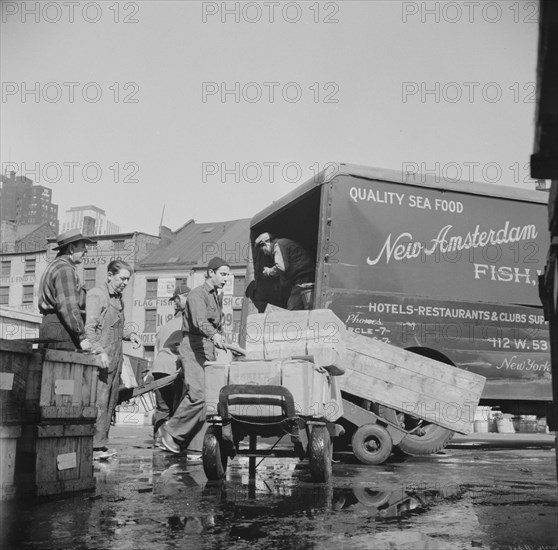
column 153, row 499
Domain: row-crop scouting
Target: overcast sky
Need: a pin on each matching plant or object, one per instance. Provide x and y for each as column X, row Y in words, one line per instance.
column 214, row 109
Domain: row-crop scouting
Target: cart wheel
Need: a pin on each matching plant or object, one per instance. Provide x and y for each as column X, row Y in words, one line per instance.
column 320, row 451
column 372, row 444
column 213, row 456
column 369, row 497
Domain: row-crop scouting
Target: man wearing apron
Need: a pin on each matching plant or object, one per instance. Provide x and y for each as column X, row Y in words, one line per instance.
column 104, row 327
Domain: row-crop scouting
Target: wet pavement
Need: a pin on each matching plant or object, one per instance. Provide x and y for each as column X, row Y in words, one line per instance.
column 488, row 492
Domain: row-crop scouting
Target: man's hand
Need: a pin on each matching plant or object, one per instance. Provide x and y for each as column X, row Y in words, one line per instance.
column 135, row 339
column 85, row 345
column 218, row 340
column 104, row 360
column 268, row 272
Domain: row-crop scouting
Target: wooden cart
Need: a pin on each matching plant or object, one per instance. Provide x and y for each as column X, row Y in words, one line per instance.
column 270, row 399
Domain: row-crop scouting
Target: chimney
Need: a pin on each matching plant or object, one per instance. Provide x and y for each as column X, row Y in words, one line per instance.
column 166, row 235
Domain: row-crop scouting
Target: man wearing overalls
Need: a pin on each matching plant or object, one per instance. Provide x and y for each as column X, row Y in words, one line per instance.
column 104, row 328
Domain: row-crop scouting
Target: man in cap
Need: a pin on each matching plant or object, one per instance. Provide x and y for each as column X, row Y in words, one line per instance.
column 292, row 264
column 203, row 332
column 167, row 362
column 62, row 296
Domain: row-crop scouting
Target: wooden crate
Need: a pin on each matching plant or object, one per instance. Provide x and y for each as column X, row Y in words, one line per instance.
column 216, row 376
column 62, row 386
column 315, row 393
column 15, row 358
column 9, row 435
column 318, row 335
column 54, row 459
column 436, row 392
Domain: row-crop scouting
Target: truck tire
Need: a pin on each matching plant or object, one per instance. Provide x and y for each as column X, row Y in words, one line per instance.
column 432, row 438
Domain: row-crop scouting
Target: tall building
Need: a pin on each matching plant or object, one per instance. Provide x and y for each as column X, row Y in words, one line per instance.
column 90, row 220
column 23, row 203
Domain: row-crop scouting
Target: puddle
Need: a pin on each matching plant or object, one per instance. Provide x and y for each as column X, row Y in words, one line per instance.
column 150, row 499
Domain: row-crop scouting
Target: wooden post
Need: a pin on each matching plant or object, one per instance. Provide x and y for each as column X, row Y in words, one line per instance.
column 544, row 165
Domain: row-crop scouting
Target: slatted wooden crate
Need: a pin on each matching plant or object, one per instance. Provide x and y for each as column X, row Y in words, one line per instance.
column 15, row 358
column 436, row 392
column 9, row 435
column 280, row 334
column 54, row 459
column 47, row 420
column 62, row 386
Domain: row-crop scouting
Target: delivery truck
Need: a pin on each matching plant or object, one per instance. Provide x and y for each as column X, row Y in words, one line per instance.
column 445, row 269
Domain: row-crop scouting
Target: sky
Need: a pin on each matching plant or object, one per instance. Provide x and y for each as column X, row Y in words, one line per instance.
column 212, row 110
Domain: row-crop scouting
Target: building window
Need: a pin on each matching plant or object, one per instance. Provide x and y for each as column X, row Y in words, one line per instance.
column 6, row 268
column 239, row 285
column 89, row 277
column 30, row 266
column 150, row 320
column 151, row 289
column 27, row 294
column 4, row 295
column 118, row 248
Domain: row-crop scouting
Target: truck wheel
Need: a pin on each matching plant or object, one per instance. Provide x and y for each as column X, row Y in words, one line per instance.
column 429, row 439
column 372, row 444
column 320, row 454
column 213, row 458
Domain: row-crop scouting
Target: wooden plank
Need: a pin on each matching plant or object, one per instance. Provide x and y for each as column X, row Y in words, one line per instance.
column 399, row 376
column 62, row 356
column 47, row 384
column 412, row 362
column 453, row 416
column 10, row 431
column 70, row 412
column 64, row 430
column 15, row 346
column 77, row 374
column 85, row 393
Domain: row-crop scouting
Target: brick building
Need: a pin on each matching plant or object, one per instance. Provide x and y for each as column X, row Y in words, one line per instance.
column 23, row 203
column 183, row 256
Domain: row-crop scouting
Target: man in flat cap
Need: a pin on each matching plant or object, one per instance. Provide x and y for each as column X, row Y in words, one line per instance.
column 62, row 296
column 167, row 362
column 292, row 265
column 203, row 332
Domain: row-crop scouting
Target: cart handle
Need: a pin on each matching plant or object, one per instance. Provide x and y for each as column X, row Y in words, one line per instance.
column 264, row 391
